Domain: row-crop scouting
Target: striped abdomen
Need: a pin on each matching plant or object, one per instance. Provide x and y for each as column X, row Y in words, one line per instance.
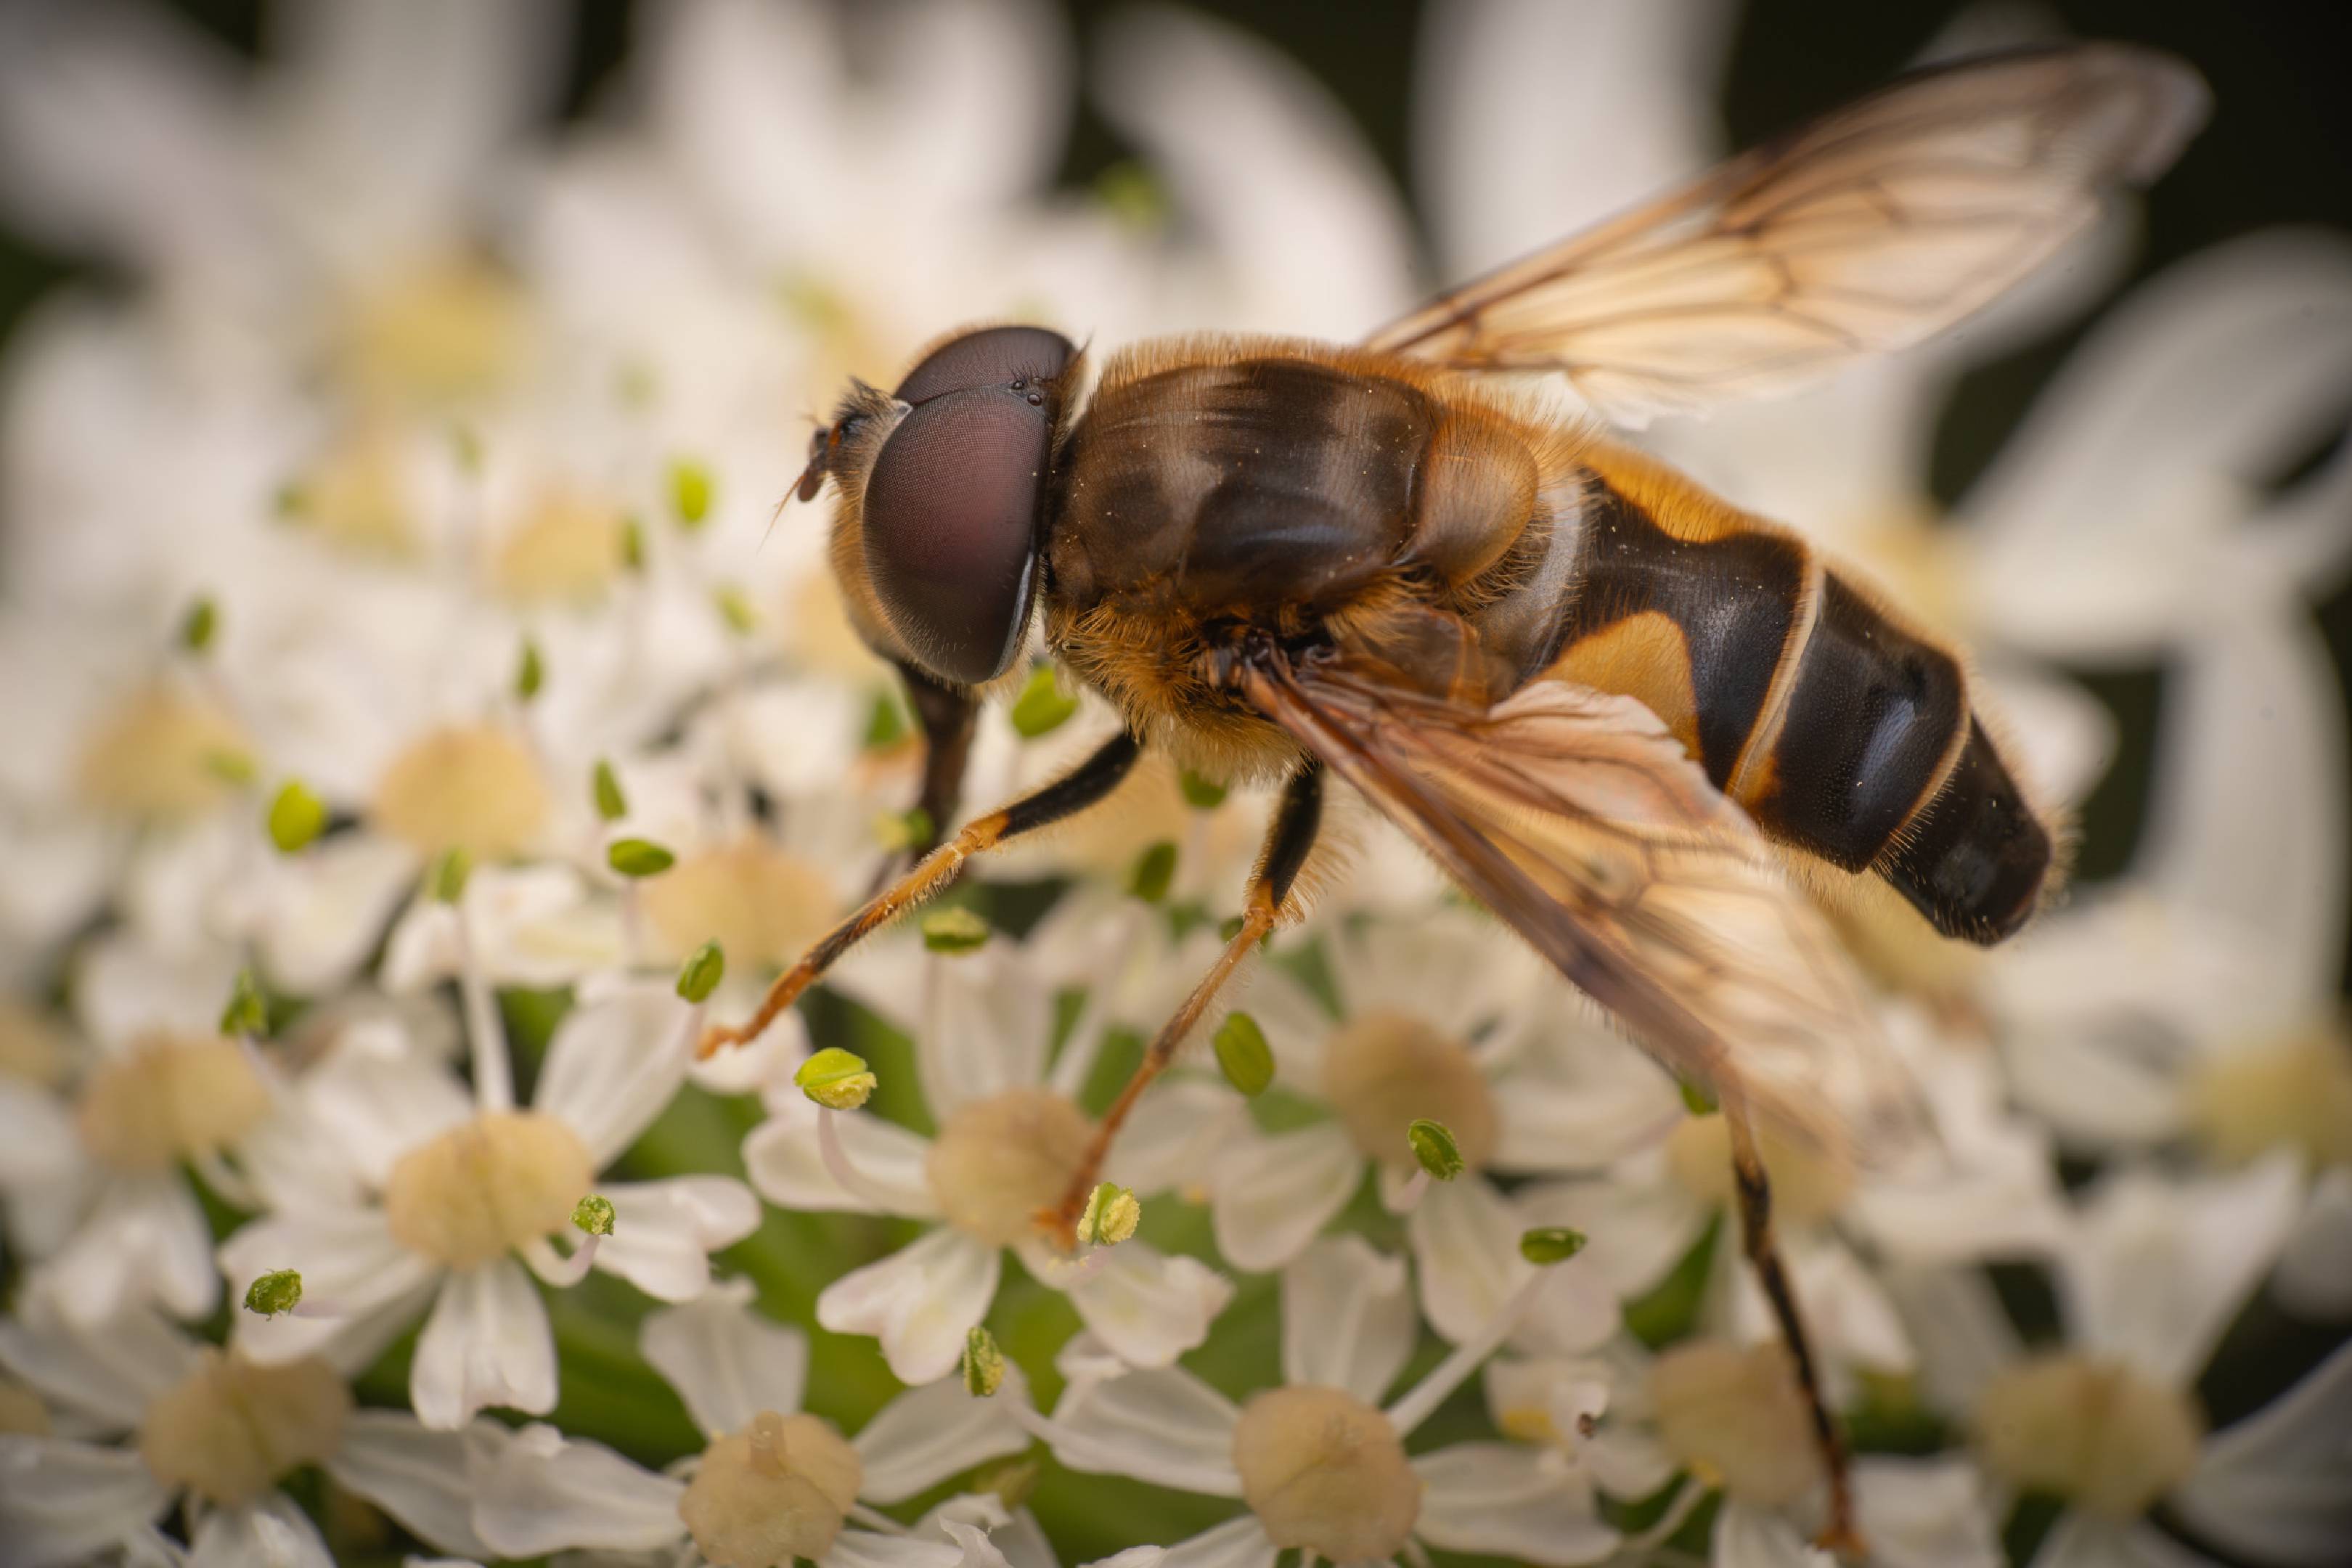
column 1842, row 731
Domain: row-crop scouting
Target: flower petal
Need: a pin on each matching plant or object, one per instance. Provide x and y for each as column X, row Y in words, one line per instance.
column 1236, row 1543
column 1466, row 1248
column 1747, row 1536
column 1348, row 1320
column 1637, row 1223
column 372, row 1286
column 1511, row 1501
column 1148, row 1307
column 1163, row 1425
column 146, row 1243
column 2161, row 1267
column 270, row 1534
column 1178, row 1133
column 613, row 1065
column 1925, row 1513
column 536, row 1491
column 781, row 1157
column 926, row 1435
column 62, row 1502
column 2315, row 1271
column 919, row 1301
column 1275, row 1194
column 726, row 1361
column 2277, row 1487
column 413, row 1473
column 985, row 1027
column 488, row 1342
column 326, row 910
column 111, row 1373
column 854, row 1548
column 663, row 1232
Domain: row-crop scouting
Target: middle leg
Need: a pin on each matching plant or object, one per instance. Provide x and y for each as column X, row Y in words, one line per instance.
column 1287, row 843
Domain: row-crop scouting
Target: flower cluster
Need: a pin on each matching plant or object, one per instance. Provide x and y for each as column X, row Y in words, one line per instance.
column 421, row 727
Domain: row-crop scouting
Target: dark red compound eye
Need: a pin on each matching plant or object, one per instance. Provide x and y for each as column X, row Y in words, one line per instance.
column 950, row 520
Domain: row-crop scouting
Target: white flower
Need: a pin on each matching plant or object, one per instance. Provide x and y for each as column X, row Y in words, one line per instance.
column 462, row 1185
column 2108, row 1421
column 1319, row 1465
column 1445, row 1017
column 1009, row 1140
column 773, row 1483
column 167, row 1420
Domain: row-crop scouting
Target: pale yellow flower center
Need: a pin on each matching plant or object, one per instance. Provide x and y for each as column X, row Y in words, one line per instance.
column 1384, row 1069
column 233, row 1428
column 1735, row 1418
column 159, row 753
column 1325, row 1472
column 481, row 1189
column 168, row 1097
column 451, row 328
column 1806, row 1186
column 2097, row 1433
column 31, row 1049
column 470, row 788
column 757, row 902
column 777, row 1490
column 2295, row 1093
column 21, row 1410
column 998, row 1161
column 565, row 546
column 356, row 495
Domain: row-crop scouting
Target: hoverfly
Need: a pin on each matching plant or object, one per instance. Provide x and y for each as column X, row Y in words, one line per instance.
column 1592, row 692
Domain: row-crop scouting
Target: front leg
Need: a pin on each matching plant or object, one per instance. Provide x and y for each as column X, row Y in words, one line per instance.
column 1287, row 843
column 1084, row 785
column 945, row 717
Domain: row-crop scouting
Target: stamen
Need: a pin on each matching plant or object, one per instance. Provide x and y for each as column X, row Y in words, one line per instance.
column 486, row 1032
column 1407, row 1199
column 557, row 1269
column 225, row 1180
column 1449, row 1375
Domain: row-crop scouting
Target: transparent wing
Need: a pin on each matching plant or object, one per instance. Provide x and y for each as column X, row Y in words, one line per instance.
column 1868, row 230
column 1577, row 818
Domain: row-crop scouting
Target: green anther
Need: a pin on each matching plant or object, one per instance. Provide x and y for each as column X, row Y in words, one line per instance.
column 1549, row 1245
column 611, row 804
column 280, row 1290
column 1243, row 1055
column 199, row 625
column 1133, row 196
column 530, row 671
column 983, row 1363
column 954, row 931
column 835, row 1078
column 1112, row 1213
column 1013, row 1483
column 884, row 725
column 702, row 973
column 690, row 491
column 450, row 874
column 1155, row 869
column 296, row 817
column 735, row 609
column 231, row 767
column 633, row 544
column 246, row 1014
column 1695, row 1099
column 593, row 1214
column 1433, row 1144
column 465, row 445
column 638, row 857
column 291, row 502
column 1042, row 706
column 1199, row 792
column 896, row 830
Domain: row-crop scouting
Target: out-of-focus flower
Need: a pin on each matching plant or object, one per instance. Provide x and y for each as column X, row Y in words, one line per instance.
column 452, row 1189
column 1010, row 1139
column 163, row 1421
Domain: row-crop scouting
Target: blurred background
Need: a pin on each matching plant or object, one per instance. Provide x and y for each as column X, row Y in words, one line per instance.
column 2278, row 151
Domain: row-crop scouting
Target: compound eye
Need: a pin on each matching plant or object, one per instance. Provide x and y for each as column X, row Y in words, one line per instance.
column 995, row 356
column 951, row 526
